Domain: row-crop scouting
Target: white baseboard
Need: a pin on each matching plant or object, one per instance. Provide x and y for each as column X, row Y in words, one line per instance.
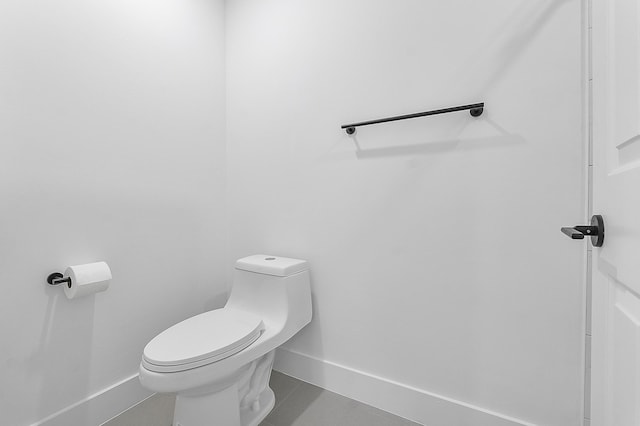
column 101, row 406
column 415, row 404
column 405, row 401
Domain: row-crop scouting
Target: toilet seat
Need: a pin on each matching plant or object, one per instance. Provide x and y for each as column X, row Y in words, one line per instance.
column 201, row 340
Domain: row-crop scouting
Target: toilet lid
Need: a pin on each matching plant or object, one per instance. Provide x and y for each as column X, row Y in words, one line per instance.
column 202, row 339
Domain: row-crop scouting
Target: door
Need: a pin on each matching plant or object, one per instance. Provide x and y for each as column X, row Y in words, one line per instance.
column 615, row 361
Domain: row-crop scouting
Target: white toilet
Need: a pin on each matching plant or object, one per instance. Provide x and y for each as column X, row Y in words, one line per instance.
column 219, row 363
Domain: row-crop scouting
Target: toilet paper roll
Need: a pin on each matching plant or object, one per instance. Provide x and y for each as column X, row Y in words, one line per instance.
column 87, row 279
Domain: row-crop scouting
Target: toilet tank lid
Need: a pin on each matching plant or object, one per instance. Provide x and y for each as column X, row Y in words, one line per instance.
column 271, row 265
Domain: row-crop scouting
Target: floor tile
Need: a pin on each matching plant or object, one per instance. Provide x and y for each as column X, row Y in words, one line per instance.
column 313, row 406
column 388, row 418
column 297, row 404
column 283, row 386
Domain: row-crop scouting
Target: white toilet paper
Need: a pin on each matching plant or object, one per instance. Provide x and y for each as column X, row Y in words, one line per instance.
column 87, row 279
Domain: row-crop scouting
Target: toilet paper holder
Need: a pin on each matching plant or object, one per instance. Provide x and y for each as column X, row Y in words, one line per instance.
column 57, row 278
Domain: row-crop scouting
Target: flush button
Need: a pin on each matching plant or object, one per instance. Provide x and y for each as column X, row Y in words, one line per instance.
column 269, row 258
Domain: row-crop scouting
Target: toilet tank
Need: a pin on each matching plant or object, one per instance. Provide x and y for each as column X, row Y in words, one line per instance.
column 276, row 288
column 271, row 265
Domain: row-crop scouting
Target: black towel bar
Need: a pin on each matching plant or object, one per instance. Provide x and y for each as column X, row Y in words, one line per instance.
column 475, row 110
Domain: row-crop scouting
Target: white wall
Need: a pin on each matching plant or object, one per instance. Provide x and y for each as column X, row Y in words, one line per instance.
column 112, row 148
column 437, row 260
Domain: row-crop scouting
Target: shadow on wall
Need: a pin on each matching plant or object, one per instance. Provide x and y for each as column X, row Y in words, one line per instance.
column 63, row 357
column 502, row 138
column 523, row 26
column 489, row 66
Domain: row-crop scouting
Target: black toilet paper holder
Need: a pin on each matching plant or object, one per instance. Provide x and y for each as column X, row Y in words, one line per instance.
column 57, row 278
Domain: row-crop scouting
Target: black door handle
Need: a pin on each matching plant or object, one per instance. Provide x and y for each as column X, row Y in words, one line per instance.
column 595, row 231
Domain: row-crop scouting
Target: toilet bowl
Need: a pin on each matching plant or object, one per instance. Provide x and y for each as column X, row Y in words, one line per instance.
column 219, row 363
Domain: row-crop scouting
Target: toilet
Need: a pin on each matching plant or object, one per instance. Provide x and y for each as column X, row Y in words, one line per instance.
column 219, row 363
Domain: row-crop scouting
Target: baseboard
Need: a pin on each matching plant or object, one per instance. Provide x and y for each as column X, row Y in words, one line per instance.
column 418, row 405
column 101, row 406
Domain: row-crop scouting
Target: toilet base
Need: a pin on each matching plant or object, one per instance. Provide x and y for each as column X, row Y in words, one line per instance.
column 243, row 398
column 267, row 399
column 221, row 409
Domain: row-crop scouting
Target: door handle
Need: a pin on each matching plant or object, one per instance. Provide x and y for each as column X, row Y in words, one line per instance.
column 595, row 231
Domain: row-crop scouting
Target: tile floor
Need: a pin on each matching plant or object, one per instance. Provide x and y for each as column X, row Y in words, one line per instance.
column 297, row 404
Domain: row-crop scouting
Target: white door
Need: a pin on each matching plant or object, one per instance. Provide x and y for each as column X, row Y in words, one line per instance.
column 615, row 363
